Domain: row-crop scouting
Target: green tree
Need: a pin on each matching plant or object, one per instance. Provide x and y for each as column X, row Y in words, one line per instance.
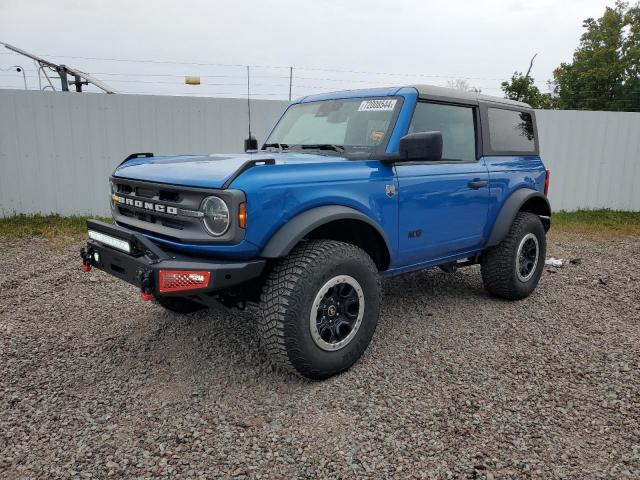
column 522, row 88
column 605, row 71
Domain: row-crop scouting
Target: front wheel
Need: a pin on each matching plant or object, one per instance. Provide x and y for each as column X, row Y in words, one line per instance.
column 512, row 269
column 320, row 308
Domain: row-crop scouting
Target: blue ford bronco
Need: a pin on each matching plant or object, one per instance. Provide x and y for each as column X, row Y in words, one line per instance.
column 349, row 187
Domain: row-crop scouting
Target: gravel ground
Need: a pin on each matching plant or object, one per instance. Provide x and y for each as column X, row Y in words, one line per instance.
column 96, row 383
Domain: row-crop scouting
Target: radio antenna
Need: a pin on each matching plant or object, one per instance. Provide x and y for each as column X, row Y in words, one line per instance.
column 250, row 143
column 249, row 97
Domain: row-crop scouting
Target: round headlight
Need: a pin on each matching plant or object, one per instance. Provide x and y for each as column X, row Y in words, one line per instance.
column 216, row 215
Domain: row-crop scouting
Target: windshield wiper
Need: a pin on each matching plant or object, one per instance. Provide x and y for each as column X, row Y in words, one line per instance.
column 280, row 146
column 323, row 146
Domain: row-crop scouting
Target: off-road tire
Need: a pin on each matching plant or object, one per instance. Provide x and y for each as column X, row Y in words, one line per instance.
column 179, row 304
column 498, row 264
column 287, row 300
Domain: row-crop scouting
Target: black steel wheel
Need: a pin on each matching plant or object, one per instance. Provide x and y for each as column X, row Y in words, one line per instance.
column 319, row 308
column 337, row 312
column 512, row 269
column 527, row 257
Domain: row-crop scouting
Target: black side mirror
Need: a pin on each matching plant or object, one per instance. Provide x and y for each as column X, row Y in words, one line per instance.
column 426, row 146
column 250, row 143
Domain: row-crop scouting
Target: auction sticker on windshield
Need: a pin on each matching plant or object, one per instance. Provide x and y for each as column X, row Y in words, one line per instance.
column 382, row 105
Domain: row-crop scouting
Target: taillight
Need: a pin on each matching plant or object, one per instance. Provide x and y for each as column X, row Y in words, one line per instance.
column 179, row 280
column 546, row 182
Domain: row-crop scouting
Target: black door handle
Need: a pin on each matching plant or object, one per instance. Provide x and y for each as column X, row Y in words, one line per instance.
column 477, row 183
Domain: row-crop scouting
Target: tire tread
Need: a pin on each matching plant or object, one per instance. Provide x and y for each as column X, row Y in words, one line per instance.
column 281, row 296
column 497, row 262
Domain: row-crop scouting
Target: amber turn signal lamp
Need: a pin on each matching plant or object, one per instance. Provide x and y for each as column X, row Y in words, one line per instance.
column 242, row 215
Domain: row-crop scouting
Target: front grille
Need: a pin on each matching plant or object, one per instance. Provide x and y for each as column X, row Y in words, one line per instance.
column 172, row 213
column 145, row 193
column 143, row 198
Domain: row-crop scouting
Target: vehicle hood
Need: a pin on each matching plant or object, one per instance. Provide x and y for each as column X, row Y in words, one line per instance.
column 207, row 171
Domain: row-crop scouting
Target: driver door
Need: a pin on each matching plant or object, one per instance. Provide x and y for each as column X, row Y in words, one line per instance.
column 444, row 204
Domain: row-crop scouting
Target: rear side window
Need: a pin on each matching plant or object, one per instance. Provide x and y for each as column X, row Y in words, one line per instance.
column 454, row 122
column 511, row 131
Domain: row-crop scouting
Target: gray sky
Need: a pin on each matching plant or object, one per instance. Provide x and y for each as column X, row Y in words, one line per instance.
column 422, row 41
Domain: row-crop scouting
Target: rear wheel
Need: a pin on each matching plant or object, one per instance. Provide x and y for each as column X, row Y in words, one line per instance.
column 512, row 269
column 319, row 308
column 179, row 304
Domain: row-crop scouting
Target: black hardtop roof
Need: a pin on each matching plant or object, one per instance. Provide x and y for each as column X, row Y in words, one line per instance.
column 431, row 92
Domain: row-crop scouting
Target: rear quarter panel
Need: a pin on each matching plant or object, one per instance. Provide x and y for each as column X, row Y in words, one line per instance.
column 506, row 175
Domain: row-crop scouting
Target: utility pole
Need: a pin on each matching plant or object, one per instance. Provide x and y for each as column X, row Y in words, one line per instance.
column 64, row 81
column 290, row 81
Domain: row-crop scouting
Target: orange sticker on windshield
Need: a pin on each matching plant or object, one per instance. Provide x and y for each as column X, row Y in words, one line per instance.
column 377, row 136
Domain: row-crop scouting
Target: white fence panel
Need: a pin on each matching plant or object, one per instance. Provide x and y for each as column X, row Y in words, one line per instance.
column 594, row 158
column 57, row 150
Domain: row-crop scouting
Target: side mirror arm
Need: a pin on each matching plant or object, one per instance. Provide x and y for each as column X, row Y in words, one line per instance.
column 389, row 158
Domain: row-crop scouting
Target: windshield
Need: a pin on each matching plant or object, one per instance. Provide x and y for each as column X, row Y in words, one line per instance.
column 349, row 125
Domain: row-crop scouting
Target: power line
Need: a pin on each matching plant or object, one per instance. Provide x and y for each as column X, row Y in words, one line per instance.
column 275, row 77
column 230, row 65
column 347, row 81
column 8, row 73
column 170, row 62
column 156, row 82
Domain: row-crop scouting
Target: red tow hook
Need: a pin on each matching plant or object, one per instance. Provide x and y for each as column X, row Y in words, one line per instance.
column 145, row 285
column 85, row 255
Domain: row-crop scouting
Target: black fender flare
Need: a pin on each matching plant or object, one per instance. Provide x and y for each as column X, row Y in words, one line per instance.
column 510, row 209
column 288, row 236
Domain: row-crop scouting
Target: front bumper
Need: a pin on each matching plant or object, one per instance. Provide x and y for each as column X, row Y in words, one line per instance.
column 142, row 265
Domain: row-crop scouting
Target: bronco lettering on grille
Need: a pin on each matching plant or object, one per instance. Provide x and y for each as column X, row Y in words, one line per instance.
column 154, row 207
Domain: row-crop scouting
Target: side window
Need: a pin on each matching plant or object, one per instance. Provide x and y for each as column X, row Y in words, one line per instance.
column 456, row 125
column 511, row 131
